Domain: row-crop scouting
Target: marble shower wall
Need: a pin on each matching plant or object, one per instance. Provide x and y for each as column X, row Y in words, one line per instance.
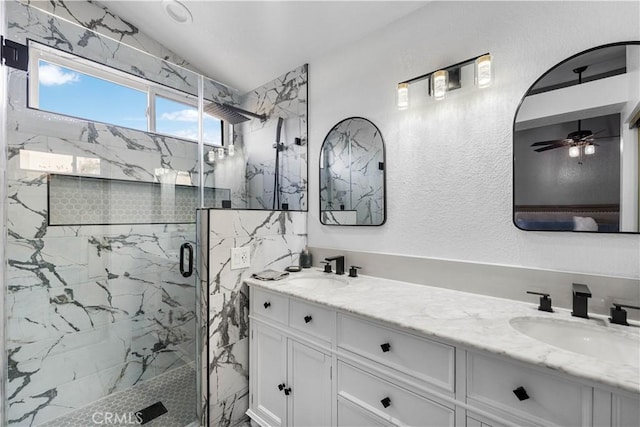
column 90, row 309
column 276, row 239
column 286, row 98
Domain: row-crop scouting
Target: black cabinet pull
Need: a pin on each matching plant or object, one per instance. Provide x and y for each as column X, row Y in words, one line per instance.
column 307, row 319
column 267, row 305
column 287, row 391
column 385, row 347
column 189, row 249
column 521, row 394
column 386, row 402
column 281, row 386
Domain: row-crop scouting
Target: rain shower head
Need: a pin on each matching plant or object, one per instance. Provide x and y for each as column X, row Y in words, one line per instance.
column 231, row 114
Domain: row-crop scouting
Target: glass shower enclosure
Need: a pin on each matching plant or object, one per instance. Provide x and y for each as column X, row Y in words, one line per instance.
column 102, row 302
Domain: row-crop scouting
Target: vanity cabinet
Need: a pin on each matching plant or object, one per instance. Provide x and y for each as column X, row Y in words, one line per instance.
column 290, row 380
column 340, row 369
column 625, row 410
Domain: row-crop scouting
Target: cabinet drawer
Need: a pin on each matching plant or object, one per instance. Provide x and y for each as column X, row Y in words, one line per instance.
column 351, row 415
column 402, row 406
column 312, row 319
column 424, row 359
column 551, row 400
column 270, row 305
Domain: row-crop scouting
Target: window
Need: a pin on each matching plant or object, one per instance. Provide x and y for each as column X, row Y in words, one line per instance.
column 180, row 119
column 65, row 84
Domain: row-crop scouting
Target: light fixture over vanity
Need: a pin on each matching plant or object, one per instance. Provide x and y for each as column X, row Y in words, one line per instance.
column 447, row 79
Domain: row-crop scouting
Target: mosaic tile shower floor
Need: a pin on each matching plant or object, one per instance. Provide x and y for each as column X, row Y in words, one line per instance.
column 176, row 390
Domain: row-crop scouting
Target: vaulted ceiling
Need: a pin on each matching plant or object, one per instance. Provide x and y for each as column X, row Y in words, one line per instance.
column 245, row 44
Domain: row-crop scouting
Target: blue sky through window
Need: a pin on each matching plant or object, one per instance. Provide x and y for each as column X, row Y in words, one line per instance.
column 66, row 91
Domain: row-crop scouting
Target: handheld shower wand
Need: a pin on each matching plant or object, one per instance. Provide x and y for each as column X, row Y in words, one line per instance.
column 276, row 179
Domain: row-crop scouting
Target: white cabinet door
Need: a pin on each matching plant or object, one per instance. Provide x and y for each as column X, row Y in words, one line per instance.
column 310, row 381
column 626, row 411
column 269, row 353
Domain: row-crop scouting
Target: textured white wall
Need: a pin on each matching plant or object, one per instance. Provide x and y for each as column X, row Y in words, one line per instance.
column 449, row 163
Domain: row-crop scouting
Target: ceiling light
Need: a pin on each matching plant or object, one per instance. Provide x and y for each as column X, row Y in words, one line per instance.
column 221, row 153
column 589, row 149
column 574, row 151
column 232, row 150
column 177, row 11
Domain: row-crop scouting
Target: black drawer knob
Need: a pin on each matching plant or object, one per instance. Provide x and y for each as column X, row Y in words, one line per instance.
column 267, row 304
column 385, row 347
column 386, row 402
column 521, row 394
column 307, row 319
column 287, row 391
column 281, row 386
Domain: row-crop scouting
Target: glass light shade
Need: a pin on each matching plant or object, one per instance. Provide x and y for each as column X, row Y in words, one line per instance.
column 589, row 149
column 439, row 83
column 221, row 153
column 211, row 156
column 484, row 71
column 232, row 150
column 574, row 151
column 403, row 96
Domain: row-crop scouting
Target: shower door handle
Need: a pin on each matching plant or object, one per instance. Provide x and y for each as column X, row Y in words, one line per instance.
column 189, row 249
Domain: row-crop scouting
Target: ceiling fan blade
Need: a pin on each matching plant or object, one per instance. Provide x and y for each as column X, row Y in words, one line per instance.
column 555, row 141
column 551, row 147
column 607, row 137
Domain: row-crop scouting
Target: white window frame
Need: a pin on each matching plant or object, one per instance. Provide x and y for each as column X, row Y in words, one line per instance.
column 67, row 60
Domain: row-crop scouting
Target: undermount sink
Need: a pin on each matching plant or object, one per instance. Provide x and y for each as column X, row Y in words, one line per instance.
column 601, row 342
column 318, row 281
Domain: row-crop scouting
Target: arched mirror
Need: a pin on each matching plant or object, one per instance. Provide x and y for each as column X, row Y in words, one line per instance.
column 576, row 145
column 352, row 181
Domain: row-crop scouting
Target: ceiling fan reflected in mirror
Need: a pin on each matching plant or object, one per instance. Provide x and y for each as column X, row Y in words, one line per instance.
column 580, row 142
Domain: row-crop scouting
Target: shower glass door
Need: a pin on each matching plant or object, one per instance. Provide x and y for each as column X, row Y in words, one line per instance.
column 100, row 295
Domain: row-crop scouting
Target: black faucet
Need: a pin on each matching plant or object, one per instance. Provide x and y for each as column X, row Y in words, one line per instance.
column 580, row 294
column 339, row 259
column 619, row 315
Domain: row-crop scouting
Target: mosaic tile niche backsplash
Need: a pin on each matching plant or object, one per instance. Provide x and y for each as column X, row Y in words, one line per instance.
column 77, row 200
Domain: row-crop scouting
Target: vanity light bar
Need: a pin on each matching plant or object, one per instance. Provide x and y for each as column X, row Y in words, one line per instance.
column 219, row 152
column 446, row 79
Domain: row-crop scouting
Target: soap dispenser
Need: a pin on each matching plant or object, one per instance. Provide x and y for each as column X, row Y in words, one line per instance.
column 305, row 258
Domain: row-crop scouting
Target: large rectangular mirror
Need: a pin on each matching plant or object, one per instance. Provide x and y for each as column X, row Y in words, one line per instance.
column 576, row 145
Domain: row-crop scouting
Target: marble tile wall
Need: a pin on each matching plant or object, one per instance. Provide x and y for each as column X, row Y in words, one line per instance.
column 90, row 309
column 276, row 239
column 95, row 309
column 286, row 98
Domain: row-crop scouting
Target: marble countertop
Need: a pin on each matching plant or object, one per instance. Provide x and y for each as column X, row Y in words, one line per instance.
column 465, row 319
